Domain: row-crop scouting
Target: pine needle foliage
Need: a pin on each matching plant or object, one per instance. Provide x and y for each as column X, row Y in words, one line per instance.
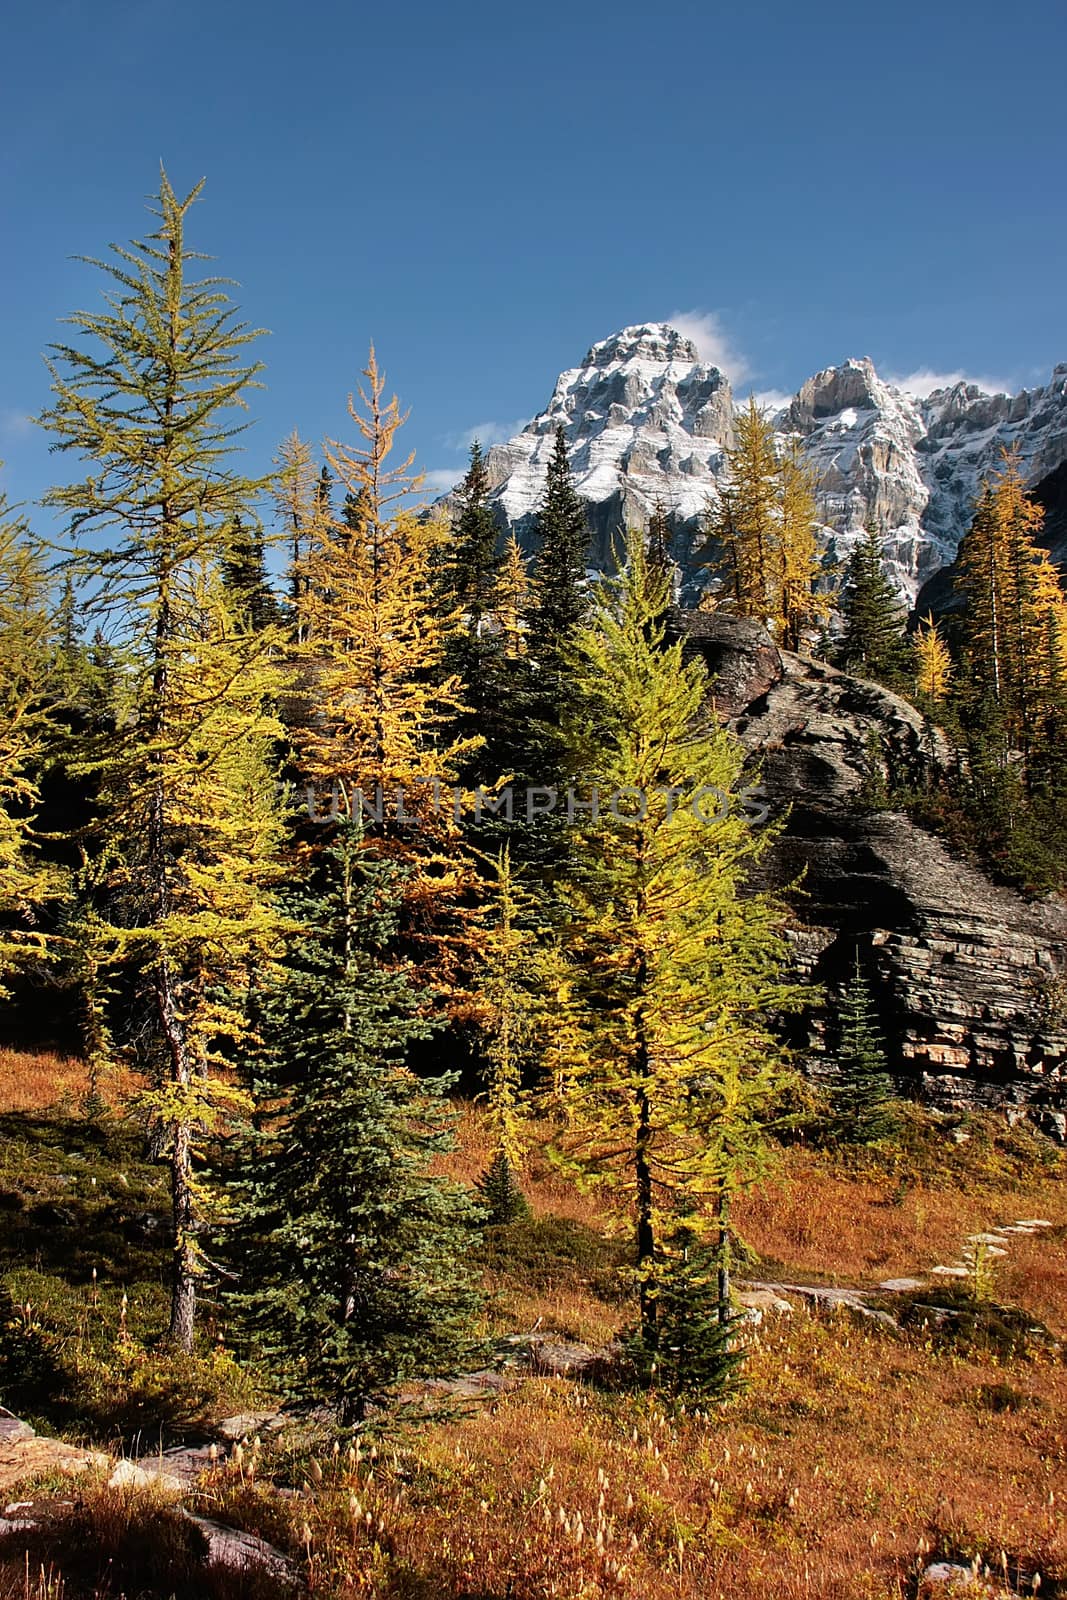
column 873, row 642
column 501, row 1194
column 474, row 563
column 676, row 970
column 244, row 572
column 694, row 1353
column 862, row 1092
column 359, row 1279
column 186, row 846
column 559, row 597
column 545, row 691
column 482, row 594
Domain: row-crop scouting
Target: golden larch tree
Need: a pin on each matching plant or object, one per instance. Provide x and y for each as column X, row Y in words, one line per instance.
column 933, row 660
column 375, row 739
column 186, row 847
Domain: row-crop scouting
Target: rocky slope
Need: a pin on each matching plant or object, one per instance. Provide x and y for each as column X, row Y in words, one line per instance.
column 647, row 421
column 971, row 977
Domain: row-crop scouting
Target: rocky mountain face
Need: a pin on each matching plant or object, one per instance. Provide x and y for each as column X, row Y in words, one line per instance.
column 647, row 422
column 971, row 978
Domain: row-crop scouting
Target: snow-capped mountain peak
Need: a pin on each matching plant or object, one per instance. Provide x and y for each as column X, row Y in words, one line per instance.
column 647, row 423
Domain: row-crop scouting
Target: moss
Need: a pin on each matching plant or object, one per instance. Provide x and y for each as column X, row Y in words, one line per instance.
column 544, row 1251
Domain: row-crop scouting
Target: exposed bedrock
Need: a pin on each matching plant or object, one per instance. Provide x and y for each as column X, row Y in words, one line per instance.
column 971, row 977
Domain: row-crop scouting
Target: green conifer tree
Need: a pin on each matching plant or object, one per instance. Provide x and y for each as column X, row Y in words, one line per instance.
column 358, row 1278
column 476, row 644
column 862, row 1091
column 544, row 691
column 475, row 563
column 244, row 572
column 559, row 598
column 873, row 642
column 692, row 1351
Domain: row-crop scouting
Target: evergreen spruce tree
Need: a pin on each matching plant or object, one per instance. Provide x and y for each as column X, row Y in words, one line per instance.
column 185, row 847
column 544, row 692
column 675, row 968
column 501, row 1193
column 692, row 1352
column 357, row 1279
column 475, row 565
column 873, row 641
column 476, row 644
column 559, row 598
column 862, row 1092
column 244, row 572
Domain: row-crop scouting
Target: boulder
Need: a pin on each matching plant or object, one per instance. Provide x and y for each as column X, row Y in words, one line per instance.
column 246, row 1552
column 144, row 1474
column 246, row 1424
column 12, row 1429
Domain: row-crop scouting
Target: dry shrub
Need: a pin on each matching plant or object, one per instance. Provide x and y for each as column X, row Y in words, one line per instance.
column 105, row 1544
column 852, row 1460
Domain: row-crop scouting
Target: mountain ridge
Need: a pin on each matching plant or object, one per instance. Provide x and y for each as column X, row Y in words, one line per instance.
column 646, row 422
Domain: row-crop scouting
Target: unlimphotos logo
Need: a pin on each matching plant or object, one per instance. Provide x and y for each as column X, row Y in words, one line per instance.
column 577, row 805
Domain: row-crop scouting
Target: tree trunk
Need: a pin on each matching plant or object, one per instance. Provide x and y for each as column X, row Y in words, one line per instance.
column 183, row 1283
column 723, row 1218
column 183, row 1280
column 646, row 1239
column 646, row 1236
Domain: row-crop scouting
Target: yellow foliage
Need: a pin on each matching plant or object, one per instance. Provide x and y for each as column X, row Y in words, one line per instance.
column 766, row 520
column 933, row 662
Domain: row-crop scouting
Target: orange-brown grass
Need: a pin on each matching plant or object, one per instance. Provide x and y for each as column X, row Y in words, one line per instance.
column 546, row 1188
column 39, row 1080
column 813, row 1223
column 817, row 1223
column 33, row 1081
column 852, row 1460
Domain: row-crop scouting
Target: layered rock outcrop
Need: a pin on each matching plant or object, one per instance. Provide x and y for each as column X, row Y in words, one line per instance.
column 970, row 977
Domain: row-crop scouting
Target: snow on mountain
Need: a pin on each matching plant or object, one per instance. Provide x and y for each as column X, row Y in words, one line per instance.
column 647, row 422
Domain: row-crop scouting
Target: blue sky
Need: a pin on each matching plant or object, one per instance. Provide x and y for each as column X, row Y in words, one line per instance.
column 488, row 189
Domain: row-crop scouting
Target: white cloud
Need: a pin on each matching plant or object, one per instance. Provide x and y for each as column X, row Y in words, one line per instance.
column 486, row 433
column 924, row 381
column 713, row 343
column 771, row 399
column 441, row 479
